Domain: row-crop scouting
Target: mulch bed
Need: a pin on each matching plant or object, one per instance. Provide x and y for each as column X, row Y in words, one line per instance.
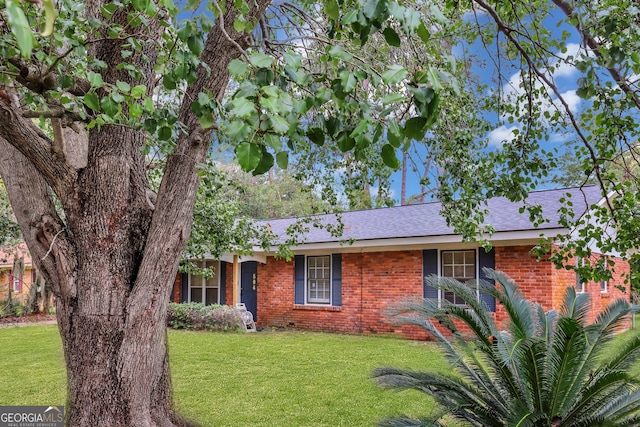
column 29, row 318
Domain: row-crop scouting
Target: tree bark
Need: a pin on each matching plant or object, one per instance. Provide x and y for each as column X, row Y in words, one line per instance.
column 111, row 259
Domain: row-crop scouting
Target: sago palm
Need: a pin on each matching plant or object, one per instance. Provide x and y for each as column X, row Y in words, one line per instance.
column 542, row 369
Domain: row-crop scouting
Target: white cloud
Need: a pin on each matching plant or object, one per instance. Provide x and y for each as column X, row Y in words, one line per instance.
column 565, row 69
column 502, row 135
column 572, row 99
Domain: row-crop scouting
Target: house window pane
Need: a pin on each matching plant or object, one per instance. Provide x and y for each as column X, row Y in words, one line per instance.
column 205, row 289
column 459, row 265
column 196, row 294
column 212, row 296
column 319, row 279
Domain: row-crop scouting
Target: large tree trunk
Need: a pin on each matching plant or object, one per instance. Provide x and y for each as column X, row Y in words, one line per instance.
column 112, row 257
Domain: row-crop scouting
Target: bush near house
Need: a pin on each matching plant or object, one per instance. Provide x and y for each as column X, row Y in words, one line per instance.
column 538, row 369
column 198, row 316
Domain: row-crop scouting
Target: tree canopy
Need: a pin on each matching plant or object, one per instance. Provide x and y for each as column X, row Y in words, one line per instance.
column 339, row 88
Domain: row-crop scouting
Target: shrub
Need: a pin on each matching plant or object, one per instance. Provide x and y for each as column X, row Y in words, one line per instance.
column 545, row 369
column 198, row 316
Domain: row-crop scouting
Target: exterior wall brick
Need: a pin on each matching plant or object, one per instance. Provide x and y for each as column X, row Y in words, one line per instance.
column 372, row 282
column 541, row 282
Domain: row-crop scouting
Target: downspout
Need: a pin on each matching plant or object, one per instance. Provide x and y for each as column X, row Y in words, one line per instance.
column 360, row 329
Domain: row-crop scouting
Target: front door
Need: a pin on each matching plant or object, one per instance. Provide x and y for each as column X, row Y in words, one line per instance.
column 249, row 286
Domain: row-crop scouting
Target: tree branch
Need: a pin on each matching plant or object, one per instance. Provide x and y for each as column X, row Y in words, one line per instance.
column 593, row 44
column 42, row 228
column 508, row 32
column 27, row 138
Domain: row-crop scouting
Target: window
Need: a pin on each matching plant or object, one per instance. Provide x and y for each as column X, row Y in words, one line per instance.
column 460, row 265
column 580, row 285
column 604, row 284
column 319, row 279
column 205, row 289
column 16, row 280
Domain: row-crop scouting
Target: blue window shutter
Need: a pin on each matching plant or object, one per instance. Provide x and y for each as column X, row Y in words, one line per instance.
column 336, row 280
column 429, row 267
column 223, row 280
column 184, row 289
column 298, row 293
column 487, row 260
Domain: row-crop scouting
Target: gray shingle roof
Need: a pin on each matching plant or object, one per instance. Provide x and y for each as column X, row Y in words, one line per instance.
column 424, row 220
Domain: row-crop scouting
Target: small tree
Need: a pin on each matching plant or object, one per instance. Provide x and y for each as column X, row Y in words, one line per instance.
column 544, row 369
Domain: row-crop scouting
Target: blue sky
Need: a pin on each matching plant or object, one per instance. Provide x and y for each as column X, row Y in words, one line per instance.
column 565, row 78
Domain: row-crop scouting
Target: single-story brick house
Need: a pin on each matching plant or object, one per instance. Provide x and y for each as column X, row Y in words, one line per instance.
column 330, row 285
column 17, row 282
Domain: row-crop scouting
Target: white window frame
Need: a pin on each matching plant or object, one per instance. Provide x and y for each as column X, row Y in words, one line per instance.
column 203, row 281
column 307, row 298
column 474, row 281
column 580, row 285
column 604, row 284
column 16, row 283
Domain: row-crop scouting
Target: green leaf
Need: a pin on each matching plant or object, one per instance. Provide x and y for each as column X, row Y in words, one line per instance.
column 415, row 128
column 164, row 133
column 266, row 163
column 331, row 9
column 92, row 101
column 348, row 81
column 345, row 142
column 273, row 141
column 195, row 42
column 395, row 74
column 185, row 32
column 389, row 157
column 117, row 97
column 316, row 135
column 260, row 60
column 360, row 129
column 293, row 60
column 437, row 14
column 282, row 159
column 50, row 14
column 95, row 79
column 207, row 119
column 338, row 52
column 237, row 67
column 375, row 10
column 270, row 103
column 392, row 97
column 135, row 110
column 124, row 87
column 169, row 81
column 242, row 107
column 279, row 124
column 248, row 155
column 110, row 107
column 395, row 135
column 238, row 131
column 392, row 38
column 140, row 5
column 138, row 91
column 423, row 33
column 20, row 28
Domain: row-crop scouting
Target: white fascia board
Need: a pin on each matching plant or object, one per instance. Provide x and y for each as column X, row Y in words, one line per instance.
column 228, row 257
column 508, row 238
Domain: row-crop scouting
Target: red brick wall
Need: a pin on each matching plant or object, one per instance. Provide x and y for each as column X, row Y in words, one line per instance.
column 535, row 279
column 372, row 282
column 177, row 288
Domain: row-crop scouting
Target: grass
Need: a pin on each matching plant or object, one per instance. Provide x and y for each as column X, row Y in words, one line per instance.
column 262, row 379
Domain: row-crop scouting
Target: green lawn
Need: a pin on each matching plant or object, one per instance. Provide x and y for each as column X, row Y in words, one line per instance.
column 261, row 379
